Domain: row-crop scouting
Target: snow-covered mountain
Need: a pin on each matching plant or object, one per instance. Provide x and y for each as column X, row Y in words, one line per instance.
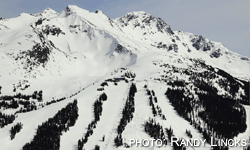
column 80, row 80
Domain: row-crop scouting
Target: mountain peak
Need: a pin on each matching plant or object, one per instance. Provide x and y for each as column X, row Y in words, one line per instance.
column 99, row 11
column 47, row 13
column 72, row 8
column 139, row 13
column 135, row 15
column 145, row 21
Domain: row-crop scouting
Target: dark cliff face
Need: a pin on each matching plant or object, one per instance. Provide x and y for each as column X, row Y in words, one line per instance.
column 201, row 44
column 216, row 54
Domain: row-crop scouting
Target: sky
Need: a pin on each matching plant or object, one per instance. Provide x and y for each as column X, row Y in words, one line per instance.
column 225, row 21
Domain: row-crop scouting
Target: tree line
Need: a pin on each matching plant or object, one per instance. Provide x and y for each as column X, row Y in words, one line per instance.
column 48, row 134
column 97, row 113
column 127, row 114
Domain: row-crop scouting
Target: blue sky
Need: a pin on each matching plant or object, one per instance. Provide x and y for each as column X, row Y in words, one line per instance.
column 225, row 21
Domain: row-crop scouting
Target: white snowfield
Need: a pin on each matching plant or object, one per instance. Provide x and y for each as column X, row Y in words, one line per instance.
column 82, row 49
